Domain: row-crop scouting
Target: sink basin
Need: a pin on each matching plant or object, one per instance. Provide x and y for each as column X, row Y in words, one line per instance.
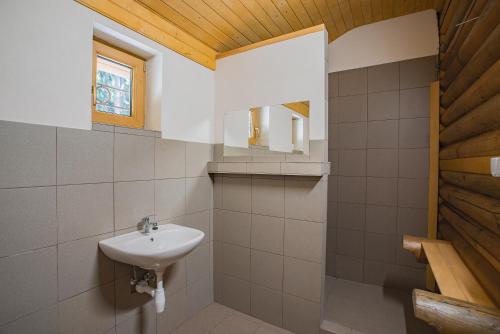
column 154, row 251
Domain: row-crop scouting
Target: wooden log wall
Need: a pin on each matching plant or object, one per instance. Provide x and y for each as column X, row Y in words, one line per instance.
column 469, row 196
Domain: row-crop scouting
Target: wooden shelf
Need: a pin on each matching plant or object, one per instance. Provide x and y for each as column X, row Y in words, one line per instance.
column 270, row 168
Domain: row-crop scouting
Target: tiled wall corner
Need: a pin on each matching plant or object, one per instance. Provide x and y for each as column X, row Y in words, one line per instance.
column 378, row 138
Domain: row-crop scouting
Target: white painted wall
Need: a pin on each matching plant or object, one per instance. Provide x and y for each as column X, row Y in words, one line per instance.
column 47, row 69
column 289, row 71
column 406, row 37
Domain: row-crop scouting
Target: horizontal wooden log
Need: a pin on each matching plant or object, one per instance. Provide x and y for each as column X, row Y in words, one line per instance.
column 487, row 86
column 483, row 184
column 483, row 240
column 476, row 165
column 482, row 28
column 450, row 315
column 486, row 144
column 462, row 33
column 481, row 119
column 483, row 209
column 414, row 245
column 483, row 59
column 447, row 32
column 482, row 269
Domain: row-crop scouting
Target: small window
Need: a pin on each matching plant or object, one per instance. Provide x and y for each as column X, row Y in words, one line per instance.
column 118, row 81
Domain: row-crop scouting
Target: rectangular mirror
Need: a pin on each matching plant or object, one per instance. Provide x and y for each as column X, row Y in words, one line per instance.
column 277, row 128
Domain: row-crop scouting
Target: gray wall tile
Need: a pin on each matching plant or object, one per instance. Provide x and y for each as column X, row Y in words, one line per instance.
column 351, row 108
column 353, row 82
column 236, row 293
column 40, row 322
column 197, row 156
column 412, row 221
column 84, row 156
column 383, row 77
column 133, row 201
column 414, row 163
column 418, row 72
column 201, row 221
column 350, row 242
column 382, row 134
column 82, row 266
column 381, row 219
column 236, row 261
column 84, row 210
column 198, row 263
column 89, row 312
column 170, row 158
column 351, row 216
column 267, row 233
column 352, row 135
column 412, row 193
column 300, row 316
column 267, row 305
column 236, row 193
column 382, row 191
column 352, row 189
column 232, row 227
column 333, row 84
column 28, row 155
column 267, row 269
column 414, row 133
column 28, row 219
column 304, row 199
column 29, row 282
column 352, row 162
column 268, row 196
column 383, row 106
column 380, row 247
column 382, row 162
column 170, row 198
column 303, row 240
column 133, row 157
column 198, row 194
column 302, row 279
column 414, row 102
column 348, row 267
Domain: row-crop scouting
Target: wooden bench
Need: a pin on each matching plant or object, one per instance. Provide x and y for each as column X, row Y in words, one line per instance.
column 463, row 305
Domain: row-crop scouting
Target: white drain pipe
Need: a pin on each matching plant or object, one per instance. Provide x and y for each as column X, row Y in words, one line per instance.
column 158, row 294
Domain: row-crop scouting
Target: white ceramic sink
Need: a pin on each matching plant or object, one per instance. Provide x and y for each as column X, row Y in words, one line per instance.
column 154, row 251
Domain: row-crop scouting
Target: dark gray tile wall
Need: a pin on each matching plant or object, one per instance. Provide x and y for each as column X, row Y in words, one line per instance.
column 378, row 143
column 61, row 191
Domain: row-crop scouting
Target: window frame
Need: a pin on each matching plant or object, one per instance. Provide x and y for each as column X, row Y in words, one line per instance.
column 137, row 110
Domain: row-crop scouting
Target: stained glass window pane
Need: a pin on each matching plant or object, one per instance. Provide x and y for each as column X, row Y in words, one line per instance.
column 113, row 87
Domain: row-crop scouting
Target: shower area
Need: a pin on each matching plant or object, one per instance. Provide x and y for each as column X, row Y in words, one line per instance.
column 378, row 146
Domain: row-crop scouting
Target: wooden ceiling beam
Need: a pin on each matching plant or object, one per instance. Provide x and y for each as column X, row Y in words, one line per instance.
column 138, row 18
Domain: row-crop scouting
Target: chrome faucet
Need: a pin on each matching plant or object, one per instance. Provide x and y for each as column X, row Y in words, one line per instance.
column 150, row 222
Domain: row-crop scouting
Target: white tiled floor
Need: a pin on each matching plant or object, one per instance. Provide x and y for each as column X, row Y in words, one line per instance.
column 357, row 308
column 218, row 319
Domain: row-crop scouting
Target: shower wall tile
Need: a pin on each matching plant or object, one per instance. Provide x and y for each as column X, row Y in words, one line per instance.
column 383, row 77
column 381, row 162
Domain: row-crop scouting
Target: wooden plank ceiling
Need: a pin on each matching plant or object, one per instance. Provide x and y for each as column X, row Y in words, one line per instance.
column 224, row 25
